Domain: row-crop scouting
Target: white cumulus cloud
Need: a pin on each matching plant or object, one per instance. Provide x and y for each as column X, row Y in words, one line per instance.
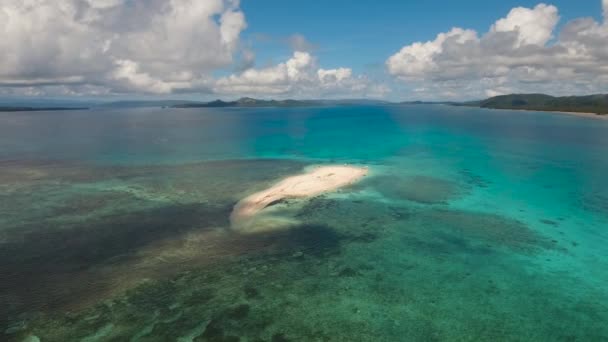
column 521, row 52
column 101, row 47
column 155, row 46
column 299, row 76
column 532, row 26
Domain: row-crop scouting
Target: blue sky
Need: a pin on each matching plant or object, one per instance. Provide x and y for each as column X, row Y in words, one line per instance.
column 363, row 33
column 396, row 50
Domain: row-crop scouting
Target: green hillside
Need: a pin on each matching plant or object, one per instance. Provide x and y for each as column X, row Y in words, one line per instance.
column 597, row 104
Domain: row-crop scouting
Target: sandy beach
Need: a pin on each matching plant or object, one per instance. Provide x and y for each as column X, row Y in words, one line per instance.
column 579, row 114
column 585, row 115
column 319, row 180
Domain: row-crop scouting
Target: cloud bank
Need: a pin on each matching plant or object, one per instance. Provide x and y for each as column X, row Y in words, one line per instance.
column 153, row 46
column 102, row 47
column 520, row 53
column 97, row 47
column 299, row 75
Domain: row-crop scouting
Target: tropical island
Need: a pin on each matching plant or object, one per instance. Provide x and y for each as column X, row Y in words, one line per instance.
column 247, row 102
column 595, row 104
column 37, row 109
column 582, row 105
column 251, row 102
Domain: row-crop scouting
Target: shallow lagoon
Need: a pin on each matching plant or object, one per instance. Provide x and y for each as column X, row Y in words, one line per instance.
column 474, row 225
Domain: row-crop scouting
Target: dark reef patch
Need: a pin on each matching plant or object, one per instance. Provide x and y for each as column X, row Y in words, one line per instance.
column 474, row 180
column 215, row 333
column 169, row 329
column 348, row 272
column 364, row 221
column 152, row 296
column 279, row 337
column 311, row 239
column 238, row 312
column 399, row 214
column 199, row 296
column 230, row 324
column 316, row 205
column 475, row 232
column 442, row 245
column 52, row 267
column 76, row 245
column 549, row 222
column 65, row 223
column 595, row 202
column 366, row 237
column 251, row 292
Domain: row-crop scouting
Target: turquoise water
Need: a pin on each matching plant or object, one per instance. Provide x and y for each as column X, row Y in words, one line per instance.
column 474, row 225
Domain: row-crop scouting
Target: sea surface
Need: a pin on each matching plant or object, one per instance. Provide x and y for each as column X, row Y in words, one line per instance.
column 473, row 225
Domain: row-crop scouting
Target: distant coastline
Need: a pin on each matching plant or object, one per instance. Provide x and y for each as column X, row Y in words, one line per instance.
column 556, row 112
column 246, row 102
column 251, row 102
column 590, row 105
column 39, row 109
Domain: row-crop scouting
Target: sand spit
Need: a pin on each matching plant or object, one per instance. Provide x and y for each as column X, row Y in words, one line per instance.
column 317, row 181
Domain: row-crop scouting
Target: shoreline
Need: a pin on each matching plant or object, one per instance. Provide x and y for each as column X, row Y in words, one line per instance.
column 585, row 115
column 579, row 114
column 319, row 180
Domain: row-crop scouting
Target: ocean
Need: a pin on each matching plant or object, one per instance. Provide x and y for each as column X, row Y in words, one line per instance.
column 473, row 225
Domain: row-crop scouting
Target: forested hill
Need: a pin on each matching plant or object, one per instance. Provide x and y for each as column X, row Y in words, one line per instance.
column 597, row 104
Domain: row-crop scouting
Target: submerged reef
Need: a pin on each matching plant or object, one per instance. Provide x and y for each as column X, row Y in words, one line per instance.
column 147, row 253
column 486, row 231
column 419, row 189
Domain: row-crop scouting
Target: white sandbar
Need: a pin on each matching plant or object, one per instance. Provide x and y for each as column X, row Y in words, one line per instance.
column 319, row 180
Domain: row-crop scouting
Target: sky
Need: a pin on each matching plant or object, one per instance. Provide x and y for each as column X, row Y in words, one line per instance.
column 393, row 50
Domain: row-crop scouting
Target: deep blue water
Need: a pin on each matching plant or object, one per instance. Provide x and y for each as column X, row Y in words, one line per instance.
column 474, row 225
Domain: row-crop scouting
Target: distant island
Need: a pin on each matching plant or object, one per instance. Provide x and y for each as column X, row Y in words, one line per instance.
column 430, row 103
column 595, row 104
column 42, row 105
column 580, row 105
column 38, row 109
column 248, row 102
column 245, row 102
column 251, row 102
